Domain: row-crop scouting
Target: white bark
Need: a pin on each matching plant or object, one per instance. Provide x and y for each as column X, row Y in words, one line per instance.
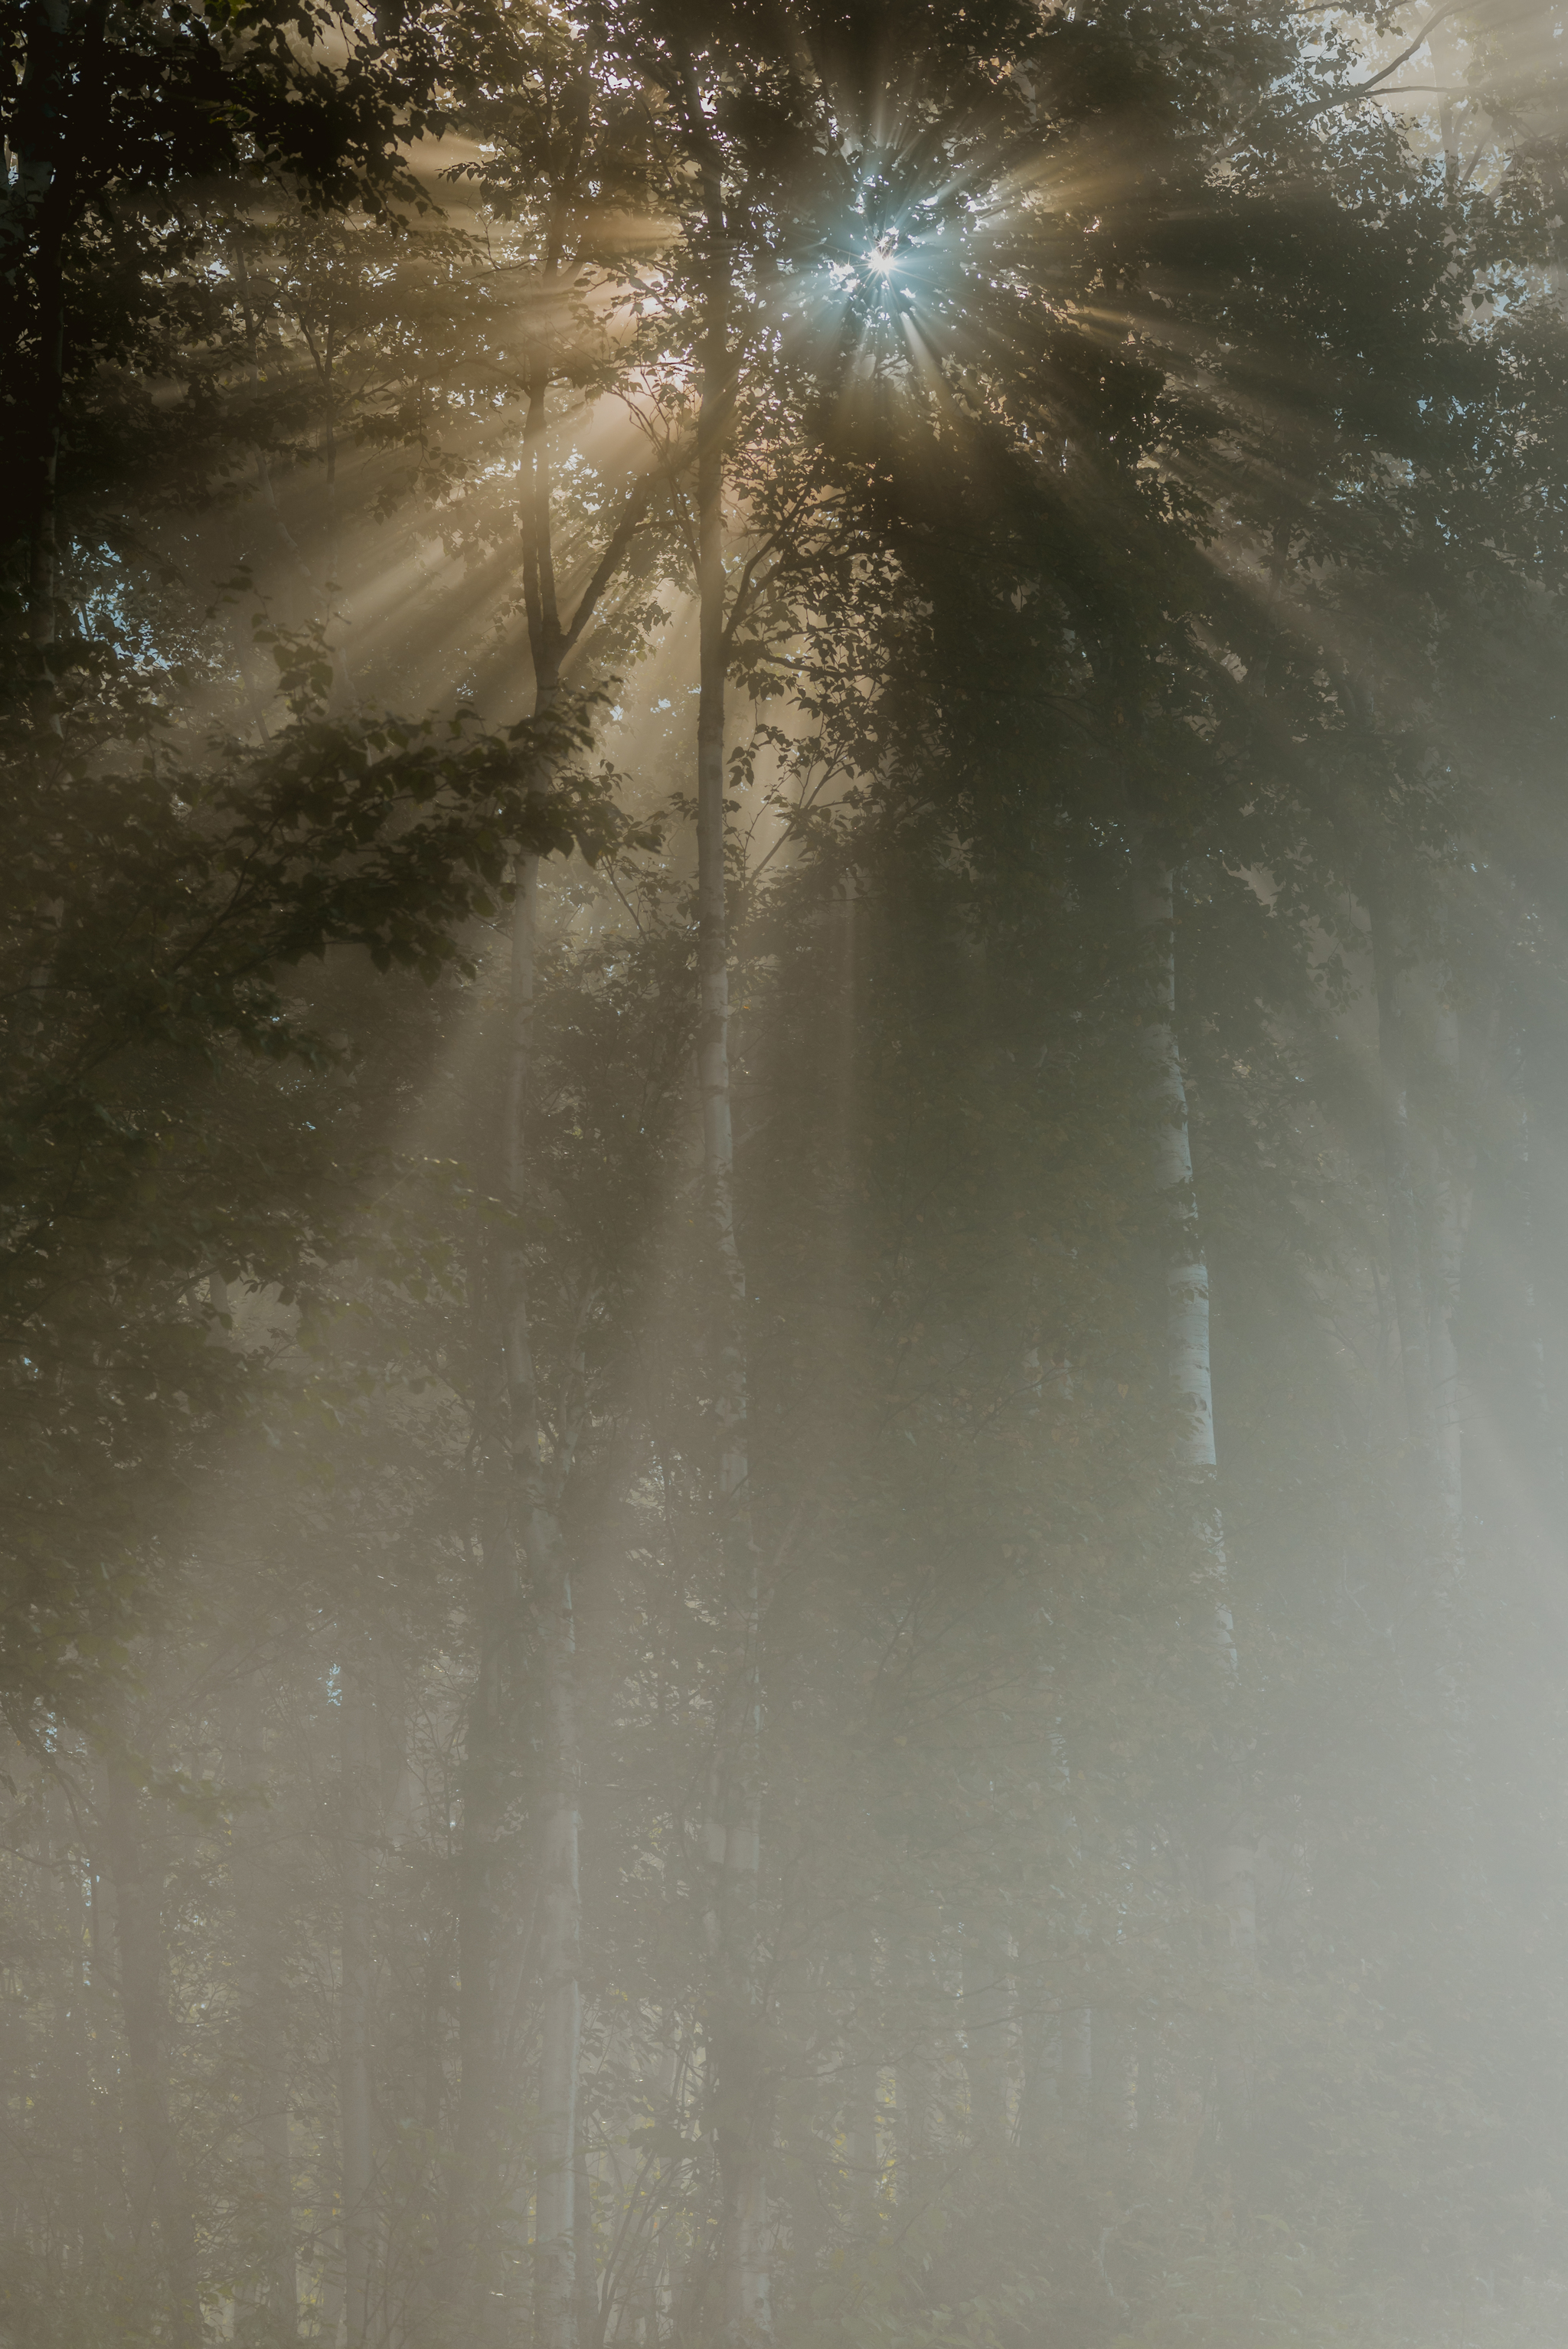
column 1230, row 1855
column 1186, row 1269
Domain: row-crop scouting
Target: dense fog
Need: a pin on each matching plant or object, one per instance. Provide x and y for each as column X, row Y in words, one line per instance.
column 784, row 1174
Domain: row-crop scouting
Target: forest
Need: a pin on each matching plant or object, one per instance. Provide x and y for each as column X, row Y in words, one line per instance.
column 784, row 1174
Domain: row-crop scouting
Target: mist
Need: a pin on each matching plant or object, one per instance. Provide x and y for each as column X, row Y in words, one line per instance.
column 784, row 1176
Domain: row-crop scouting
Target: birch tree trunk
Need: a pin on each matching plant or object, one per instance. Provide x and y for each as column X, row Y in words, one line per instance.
column 1230, row 1859
column 1186, row 1272
column 161, row 2185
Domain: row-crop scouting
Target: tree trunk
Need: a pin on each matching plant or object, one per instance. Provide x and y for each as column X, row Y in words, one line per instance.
column 555, row 2153
column 470, row 2195
column 1451, row 1217
column 1186, row 1271
column 1424, row 1285
column 274, row 2288
column 358, row 2217
column 1544, row 1185
column 532, row 1536
column 535, row 1499
column 138, row 1937
column 524, row 1548
column 736, row 2084
column 585, row 2251
column 1399, row 1186
column 1229, row 1864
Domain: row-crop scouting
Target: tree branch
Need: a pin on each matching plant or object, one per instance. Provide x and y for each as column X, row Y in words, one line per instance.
column 620, row 538
column 1361, row 88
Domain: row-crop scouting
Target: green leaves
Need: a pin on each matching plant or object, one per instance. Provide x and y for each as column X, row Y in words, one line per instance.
column 161, row 893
